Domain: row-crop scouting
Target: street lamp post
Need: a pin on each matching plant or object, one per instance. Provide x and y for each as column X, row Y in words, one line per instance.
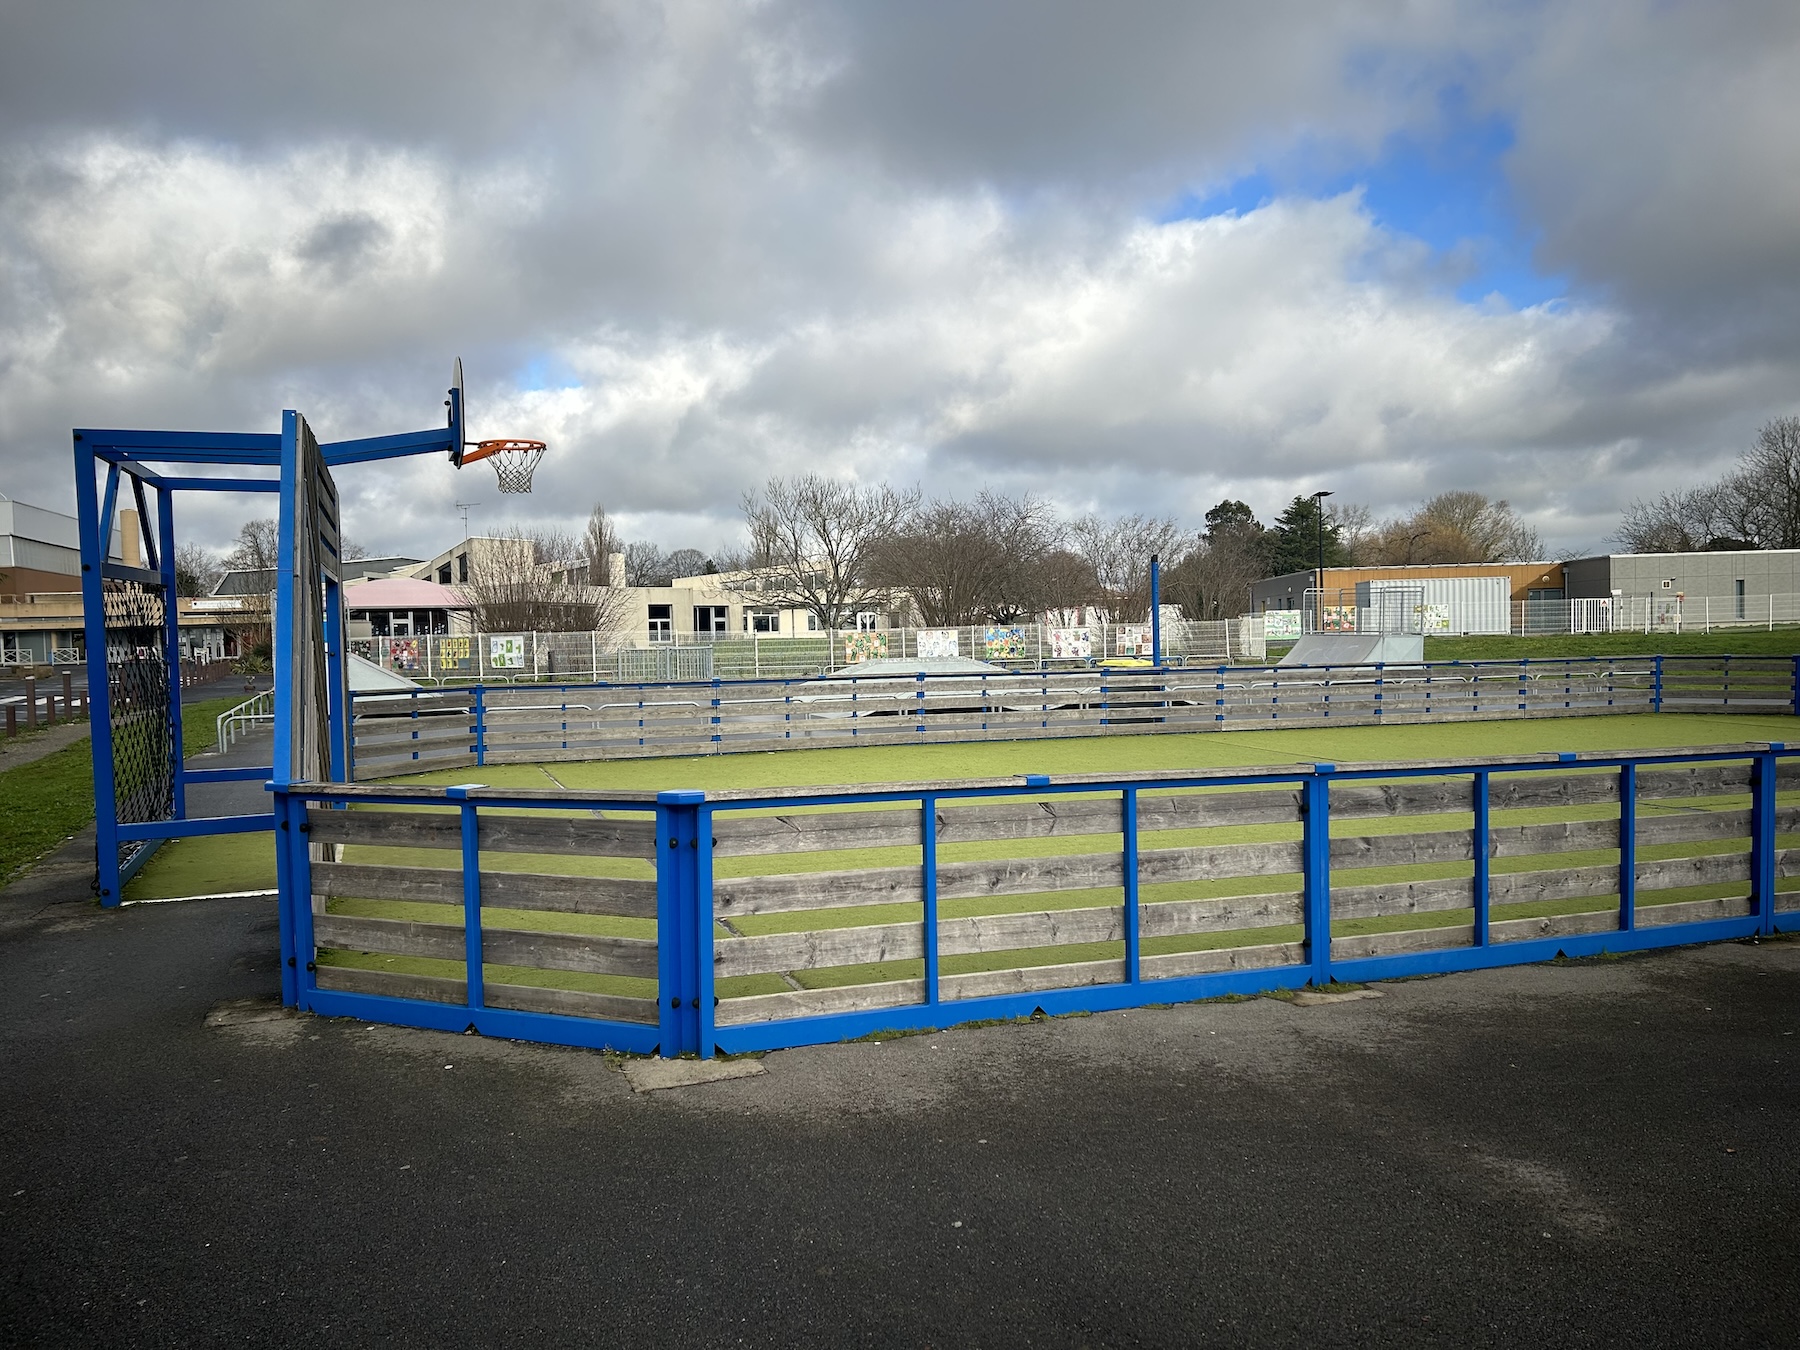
column 1319, row 508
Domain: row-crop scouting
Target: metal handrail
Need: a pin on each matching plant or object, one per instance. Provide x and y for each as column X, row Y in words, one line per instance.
column 259, row 708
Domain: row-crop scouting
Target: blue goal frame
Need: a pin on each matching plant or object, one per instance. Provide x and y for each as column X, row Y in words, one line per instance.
column 159, row 464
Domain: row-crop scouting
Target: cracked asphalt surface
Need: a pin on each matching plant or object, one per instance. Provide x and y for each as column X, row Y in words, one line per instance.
column 1587, row 1154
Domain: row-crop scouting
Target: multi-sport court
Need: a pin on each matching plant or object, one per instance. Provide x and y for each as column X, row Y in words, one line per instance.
column 543, row 889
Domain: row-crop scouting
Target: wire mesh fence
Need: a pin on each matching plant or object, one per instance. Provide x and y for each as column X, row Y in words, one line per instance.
column 143, row 751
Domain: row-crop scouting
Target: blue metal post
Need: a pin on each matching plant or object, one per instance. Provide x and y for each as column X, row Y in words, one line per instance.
column 677, row 943
column 471, row 877
column 705, row 999
column 1316, row 850
column 1483, row 846
column 1656, row 684
column 1627, row 847
column 928, row 877
column 286, row 831
column 165, row 530
column 1155, row 612
column 1762, row 839
column 1128, row 822
column 96, row 540
column 337, row 692
column 480, row 725
column 282, row 647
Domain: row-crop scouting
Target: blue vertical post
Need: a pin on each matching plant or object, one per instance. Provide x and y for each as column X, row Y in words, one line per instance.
column 480, row 725
column 471, row 878
column 1656, row 683
column 705, row 999
column 1762, row 838
column 928, row 878
column 1797, row 686
column 1483, row 846
column 1128, row 813
column 1316, row 852
column 96, row 541
column 337, row 693
column 677, row 942
column 286, row 830
column 282, row 647
column 165, row 531
column 1627, row 847
column 1155, row 612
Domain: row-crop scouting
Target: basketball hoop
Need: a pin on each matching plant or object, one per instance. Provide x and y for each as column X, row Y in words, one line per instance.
column 513, row 461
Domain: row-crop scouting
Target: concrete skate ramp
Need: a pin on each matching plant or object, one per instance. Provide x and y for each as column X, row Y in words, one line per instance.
column 1355, row 649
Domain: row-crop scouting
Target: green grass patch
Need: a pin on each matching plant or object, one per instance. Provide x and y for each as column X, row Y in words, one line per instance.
column 42, row 804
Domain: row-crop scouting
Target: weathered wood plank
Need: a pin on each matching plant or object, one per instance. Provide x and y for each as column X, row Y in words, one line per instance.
column 1405, row 897
column 1556, row 925
column 817, row 1002
column 570, row 1003
column 392, row 984
column 1411, row 940
column 500, row 946
column 1562, row 883
column 431, row 885
column 1692, row 911
column 583, row 952
column 585, row 835
column 1173, row 918
column 1030, row 979
column 1255, row 957
column 817, row 949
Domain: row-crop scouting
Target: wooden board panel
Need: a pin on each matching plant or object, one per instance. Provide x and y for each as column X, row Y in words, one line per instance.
column 1405, row 897
column 500, row 946
column 817, row 1002
column 1558, row 925
column 1692, row 911
column 392, row 984
column 817, row 949
column 1256, row 957
column 584, row 835
column 614, row 896
column 570, row 1003
column 1173, row 918
column 1412, row 940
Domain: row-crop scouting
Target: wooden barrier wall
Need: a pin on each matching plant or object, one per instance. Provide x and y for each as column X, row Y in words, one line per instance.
column 539, row 723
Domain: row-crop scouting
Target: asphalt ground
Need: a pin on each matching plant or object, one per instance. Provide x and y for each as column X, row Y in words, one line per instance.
column 1587, row 1154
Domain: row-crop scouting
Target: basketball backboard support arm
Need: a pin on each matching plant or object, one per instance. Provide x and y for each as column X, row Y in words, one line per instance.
column 130, row 454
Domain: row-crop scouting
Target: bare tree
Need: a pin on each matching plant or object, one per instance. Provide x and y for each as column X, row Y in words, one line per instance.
column 258, row 547
column 599, row 541
column 815, row 542
column 1760, row 499
column 1119, row 553
column 522, row 582
column 1454, row 527
column 689, row 562
column 965, row 562
column 197, row 571
column 1676, row 522
column 646, row 564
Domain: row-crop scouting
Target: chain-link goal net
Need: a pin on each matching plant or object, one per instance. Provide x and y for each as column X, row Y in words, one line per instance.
column 137, row 670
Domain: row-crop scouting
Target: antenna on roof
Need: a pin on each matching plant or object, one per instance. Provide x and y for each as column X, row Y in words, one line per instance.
column 464, row 508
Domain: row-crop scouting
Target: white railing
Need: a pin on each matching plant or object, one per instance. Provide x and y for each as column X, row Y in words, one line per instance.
column 1655, row 613
column 233, row 722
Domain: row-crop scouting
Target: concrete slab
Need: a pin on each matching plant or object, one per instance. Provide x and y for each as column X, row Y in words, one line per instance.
column 654, row 1075
column 1313, row 998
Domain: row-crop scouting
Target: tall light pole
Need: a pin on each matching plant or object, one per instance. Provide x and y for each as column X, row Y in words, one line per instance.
column 1319, row 507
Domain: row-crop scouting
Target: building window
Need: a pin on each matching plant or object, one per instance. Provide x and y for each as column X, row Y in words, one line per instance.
column 812, row 622
column 762, row 621
column 711, row 619
column 867, row 621
column 444, row 575
column 1739, row 597
column 662, row 623
column 462, row 567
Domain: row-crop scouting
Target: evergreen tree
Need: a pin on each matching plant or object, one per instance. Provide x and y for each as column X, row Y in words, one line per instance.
column 1293, row 541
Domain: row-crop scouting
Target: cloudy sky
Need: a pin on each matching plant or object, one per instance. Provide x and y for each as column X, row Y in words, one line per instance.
column 1133, row 256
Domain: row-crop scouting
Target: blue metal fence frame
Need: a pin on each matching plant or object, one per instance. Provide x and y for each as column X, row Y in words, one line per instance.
column 686, row 932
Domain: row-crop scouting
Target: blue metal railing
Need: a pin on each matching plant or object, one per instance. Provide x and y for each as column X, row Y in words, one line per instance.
column 686, row 942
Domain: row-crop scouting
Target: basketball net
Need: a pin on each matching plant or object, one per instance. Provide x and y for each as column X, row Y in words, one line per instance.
column 513, row 461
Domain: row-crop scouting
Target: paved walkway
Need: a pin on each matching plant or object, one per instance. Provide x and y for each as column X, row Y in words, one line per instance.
column 30, row 746
column 1557, row 1155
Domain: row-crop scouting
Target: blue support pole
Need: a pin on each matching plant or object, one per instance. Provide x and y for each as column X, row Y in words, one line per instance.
column 677, row 943
column 337, row 692
column 471, row 879
column 1483, row 847
column 1627, row 847
column 1656, row 684
column 480, row 725
column 165, row 530
column 1316, row 851
column 1128, row 823
column 1155, row 612
column 1762, row 839
column 706, row 1000
column 282, row 648
column 286, row 889
column 928, row 876
column 96, row 539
